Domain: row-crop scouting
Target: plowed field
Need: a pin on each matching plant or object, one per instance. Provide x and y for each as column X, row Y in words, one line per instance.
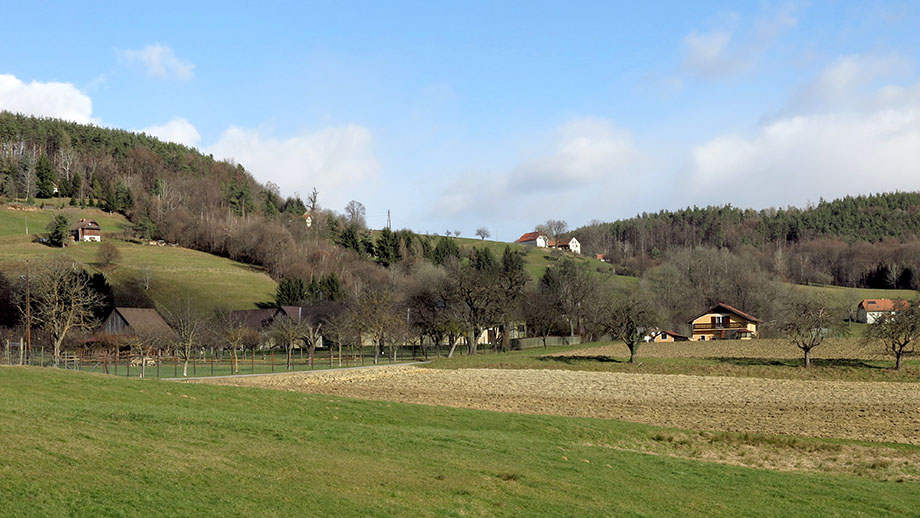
column 875, row 411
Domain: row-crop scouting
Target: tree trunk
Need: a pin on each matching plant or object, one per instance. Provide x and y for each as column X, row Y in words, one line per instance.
column 571, row 327
column 185, row 365
column 633, row 350
column 897, row 361
column 471, row 342
column 807, row 358
column 453, row 346
column 290, row 356
column 340, row 353
column 57, row 350
column 376, row 353
column 506, row 338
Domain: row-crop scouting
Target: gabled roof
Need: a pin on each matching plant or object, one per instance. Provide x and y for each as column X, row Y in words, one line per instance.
column 145, row 322
column 873, row 305
column 672, row 334
column 728, row 309
column 253, row 318
column 530, row 236
column 87, row 224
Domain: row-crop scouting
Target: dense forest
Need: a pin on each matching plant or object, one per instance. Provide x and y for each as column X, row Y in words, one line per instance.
column 859, row 241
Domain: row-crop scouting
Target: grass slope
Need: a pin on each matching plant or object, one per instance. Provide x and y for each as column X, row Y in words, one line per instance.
column 83, row 445
column 207, row 279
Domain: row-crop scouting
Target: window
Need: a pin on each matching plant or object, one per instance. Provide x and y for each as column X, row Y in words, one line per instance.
column 720, row 321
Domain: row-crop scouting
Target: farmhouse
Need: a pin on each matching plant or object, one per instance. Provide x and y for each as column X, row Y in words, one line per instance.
column 255, row 319
column 88, row 230
column 534, row 239
column 723, row 322
column 570, row 245
column 869, row 310
column 133, row 323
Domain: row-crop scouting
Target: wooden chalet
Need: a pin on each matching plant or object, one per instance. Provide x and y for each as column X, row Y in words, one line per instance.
column 723, row 322
column 88, row 230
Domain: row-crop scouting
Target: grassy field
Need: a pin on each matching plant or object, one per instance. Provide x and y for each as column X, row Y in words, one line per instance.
column 838, row 360
column 84, row 445
column 175, row 271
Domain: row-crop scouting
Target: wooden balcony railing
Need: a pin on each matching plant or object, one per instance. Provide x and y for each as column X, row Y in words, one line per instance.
column 719, row 327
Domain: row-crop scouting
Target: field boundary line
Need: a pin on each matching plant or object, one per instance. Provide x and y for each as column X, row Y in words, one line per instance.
column 315, row 371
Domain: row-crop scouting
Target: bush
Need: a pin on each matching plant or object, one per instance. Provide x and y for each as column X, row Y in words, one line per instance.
column 108, row 254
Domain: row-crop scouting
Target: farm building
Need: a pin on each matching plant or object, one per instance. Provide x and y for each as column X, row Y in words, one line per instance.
column 569, row 245
column 308, row 219
column 533, row 239
column 88, row 230
column 132, row 323
column 255, row 319
column 869, row 310
column 723, row 322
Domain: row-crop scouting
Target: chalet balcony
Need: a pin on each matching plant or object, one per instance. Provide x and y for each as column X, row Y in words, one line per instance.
column 720, row 327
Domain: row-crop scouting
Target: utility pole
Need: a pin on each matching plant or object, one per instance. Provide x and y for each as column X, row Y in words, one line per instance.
column 388, row 219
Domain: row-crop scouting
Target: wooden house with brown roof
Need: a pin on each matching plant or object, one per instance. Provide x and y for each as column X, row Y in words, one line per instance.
column 124, row 324
column 723, row 322
column 88, row 230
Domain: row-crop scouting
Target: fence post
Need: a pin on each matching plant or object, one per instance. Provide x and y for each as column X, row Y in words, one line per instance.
column 273, row 361
column 212, row 365
column 194, row 366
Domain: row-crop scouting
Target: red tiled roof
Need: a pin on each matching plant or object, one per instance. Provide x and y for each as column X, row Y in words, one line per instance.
column 871, row 305
column 530, row 236
column 729, row 309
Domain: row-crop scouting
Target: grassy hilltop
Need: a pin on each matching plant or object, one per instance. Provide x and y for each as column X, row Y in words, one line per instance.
column 175, row 271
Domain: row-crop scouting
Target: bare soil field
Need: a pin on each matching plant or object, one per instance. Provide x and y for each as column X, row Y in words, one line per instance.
column 851, row 348
column 873, row 411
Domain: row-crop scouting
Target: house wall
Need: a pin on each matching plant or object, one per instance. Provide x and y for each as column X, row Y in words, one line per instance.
column 663, row 337
column 115, row 324
column 707, row 334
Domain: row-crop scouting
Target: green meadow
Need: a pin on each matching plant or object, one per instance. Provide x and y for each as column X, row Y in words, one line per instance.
column 89, row 445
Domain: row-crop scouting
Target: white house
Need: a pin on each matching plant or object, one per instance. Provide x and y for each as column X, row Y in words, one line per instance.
column 869, row 310
column 534, row 239
column 88, row 230
column 570, row 244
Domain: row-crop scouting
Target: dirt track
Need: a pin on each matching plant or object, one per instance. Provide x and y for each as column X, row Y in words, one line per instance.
column 876, row 411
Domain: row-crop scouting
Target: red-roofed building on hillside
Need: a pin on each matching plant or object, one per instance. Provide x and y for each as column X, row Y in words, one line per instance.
column 723, row 322
column 869, row 310
column 533, row 239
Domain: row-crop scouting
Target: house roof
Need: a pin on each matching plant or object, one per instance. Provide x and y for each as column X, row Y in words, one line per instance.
column 672, row 333
column 530, row 236
column 87, row 224
column 253, row 318
column 872, row 305
column 146, row 322
column 728, row 309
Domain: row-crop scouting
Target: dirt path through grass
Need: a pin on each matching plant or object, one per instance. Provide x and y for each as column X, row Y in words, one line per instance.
column 874, row 411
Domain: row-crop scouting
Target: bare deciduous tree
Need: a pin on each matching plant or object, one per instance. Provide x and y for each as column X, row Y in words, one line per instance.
column 288, row 333
column 188, row 323
column 808, row 320
column 897, row 330
column 356, row 214
column 63, row 301
column 553, row 228
column 482, row 233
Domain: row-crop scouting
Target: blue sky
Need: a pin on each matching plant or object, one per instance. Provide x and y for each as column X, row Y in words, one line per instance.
column 497, row 114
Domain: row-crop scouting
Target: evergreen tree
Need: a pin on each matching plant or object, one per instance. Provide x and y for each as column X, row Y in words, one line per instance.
column 45, row 178
column 291, row 292
column 58, row 230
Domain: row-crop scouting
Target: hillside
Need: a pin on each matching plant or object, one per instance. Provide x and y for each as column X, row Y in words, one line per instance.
column 858, row 241
column 173, row 271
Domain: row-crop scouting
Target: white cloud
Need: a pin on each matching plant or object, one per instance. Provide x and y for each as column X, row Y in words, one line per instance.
column 587, row 164
column 727, row 50
column 59, row 100
column 842, row 138
column 338, row 161
column 160, row 61
column 177, row 130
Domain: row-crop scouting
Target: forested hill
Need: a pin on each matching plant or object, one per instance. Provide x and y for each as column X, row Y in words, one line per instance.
column 876, row 234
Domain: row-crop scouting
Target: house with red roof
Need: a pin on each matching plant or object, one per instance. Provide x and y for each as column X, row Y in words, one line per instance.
column 533, row 239
column 869, row 310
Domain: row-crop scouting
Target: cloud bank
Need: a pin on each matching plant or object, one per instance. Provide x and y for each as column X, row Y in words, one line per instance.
column 177, row 130
column 58, row 100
